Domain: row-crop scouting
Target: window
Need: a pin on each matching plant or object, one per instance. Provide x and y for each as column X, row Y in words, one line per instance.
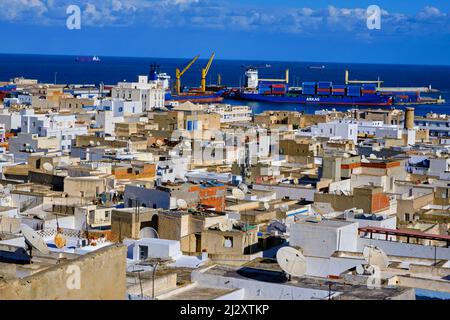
column 143, row 252
column 228, row 242
column 107, row 214
column 91, row 215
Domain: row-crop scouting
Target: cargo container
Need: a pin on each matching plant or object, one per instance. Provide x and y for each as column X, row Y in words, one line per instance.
column 324, row 92
column 338, row 90
column 309, row 88
column 309, row 91
column 324, row 84
column 354, row 91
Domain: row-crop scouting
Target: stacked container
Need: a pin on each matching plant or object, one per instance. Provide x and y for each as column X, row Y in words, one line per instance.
column 324, row 88
column 309, row 88
column 354, row 91
column 265, row 88
column 338, row 90
column 279, row 89
column 369, row 89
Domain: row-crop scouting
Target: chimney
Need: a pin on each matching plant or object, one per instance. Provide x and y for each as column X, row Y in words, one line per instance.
column 409, row 118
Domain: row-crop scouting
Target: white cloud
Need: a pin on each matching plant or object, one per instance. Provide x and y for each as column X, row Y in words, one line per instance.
column 220, row 15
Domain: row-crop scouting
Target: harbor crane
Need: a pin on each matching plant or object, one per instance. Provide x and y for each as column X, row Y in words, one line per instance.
column 347, row 81
column 179, row 74
column 286, row 79
column 205, row 72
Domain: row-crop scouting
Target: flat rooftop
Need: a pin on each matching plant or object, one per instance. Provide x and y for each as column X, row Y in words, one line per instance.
column 342, row 290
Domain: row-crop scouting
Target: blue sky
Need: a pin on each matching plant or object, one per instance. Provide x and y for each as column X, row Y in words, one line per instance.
column 412, row 32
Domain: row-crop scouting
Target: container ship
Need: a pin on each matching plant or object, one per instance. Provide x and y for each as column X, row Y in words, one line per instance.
column 320, row 93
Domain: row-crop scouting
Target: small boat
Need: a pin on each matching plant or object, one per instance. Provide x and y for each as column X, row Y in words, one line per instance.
column 317, row 67
column 88, row 59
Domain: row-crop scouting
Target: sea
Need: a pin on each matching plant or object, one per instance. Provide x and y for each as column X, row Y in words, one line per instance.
column 110, row 70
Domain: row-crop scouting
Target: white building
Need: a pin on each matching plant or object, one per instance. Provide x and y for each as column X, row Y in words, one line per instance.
column 121, row 107
column 379, row 130
column 229, row 113
column 11, row 120
column 151, row 95
column 336, row 129
column 26, row 144
column 62, row 127
column 20, row 99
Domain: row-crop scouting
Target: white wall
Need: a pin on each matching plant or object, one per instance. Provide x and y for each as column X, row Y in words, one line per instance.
column 323, row 241
column 405, row 250
column 293, row 192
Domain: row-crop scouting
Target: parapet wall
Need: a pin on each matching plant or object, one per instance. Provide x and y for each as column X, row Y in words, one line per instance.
column 102, row 277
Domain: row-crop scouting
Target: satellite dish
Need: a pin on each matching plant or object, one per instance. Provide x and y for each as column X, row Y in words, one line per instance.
column 291, row 261
column 148, row 233
column 159, row 143
column 284, row 207
column 374, row 256
column 182, row 204
column 6, row 191
column 225, row 225
column 34, row 240
column 243, row 187
column 91, row 143
column 266, row 206
column 238, row 194
column 47, row 166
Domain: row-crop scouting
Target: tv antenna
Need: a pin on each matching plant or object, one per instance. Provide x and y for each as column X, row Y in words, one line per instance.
column 33, row 240
column 292, row 261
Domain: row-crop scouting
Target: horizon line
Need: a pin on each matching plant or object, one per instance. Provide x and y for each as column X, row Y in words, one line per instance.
column 228, row 59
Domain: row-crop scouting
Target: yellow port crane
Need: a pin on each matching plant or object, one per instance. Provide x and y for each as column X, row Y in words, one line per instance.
column 179, row 74
column 286, row 79
column 205, row 71
column 347, row 81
